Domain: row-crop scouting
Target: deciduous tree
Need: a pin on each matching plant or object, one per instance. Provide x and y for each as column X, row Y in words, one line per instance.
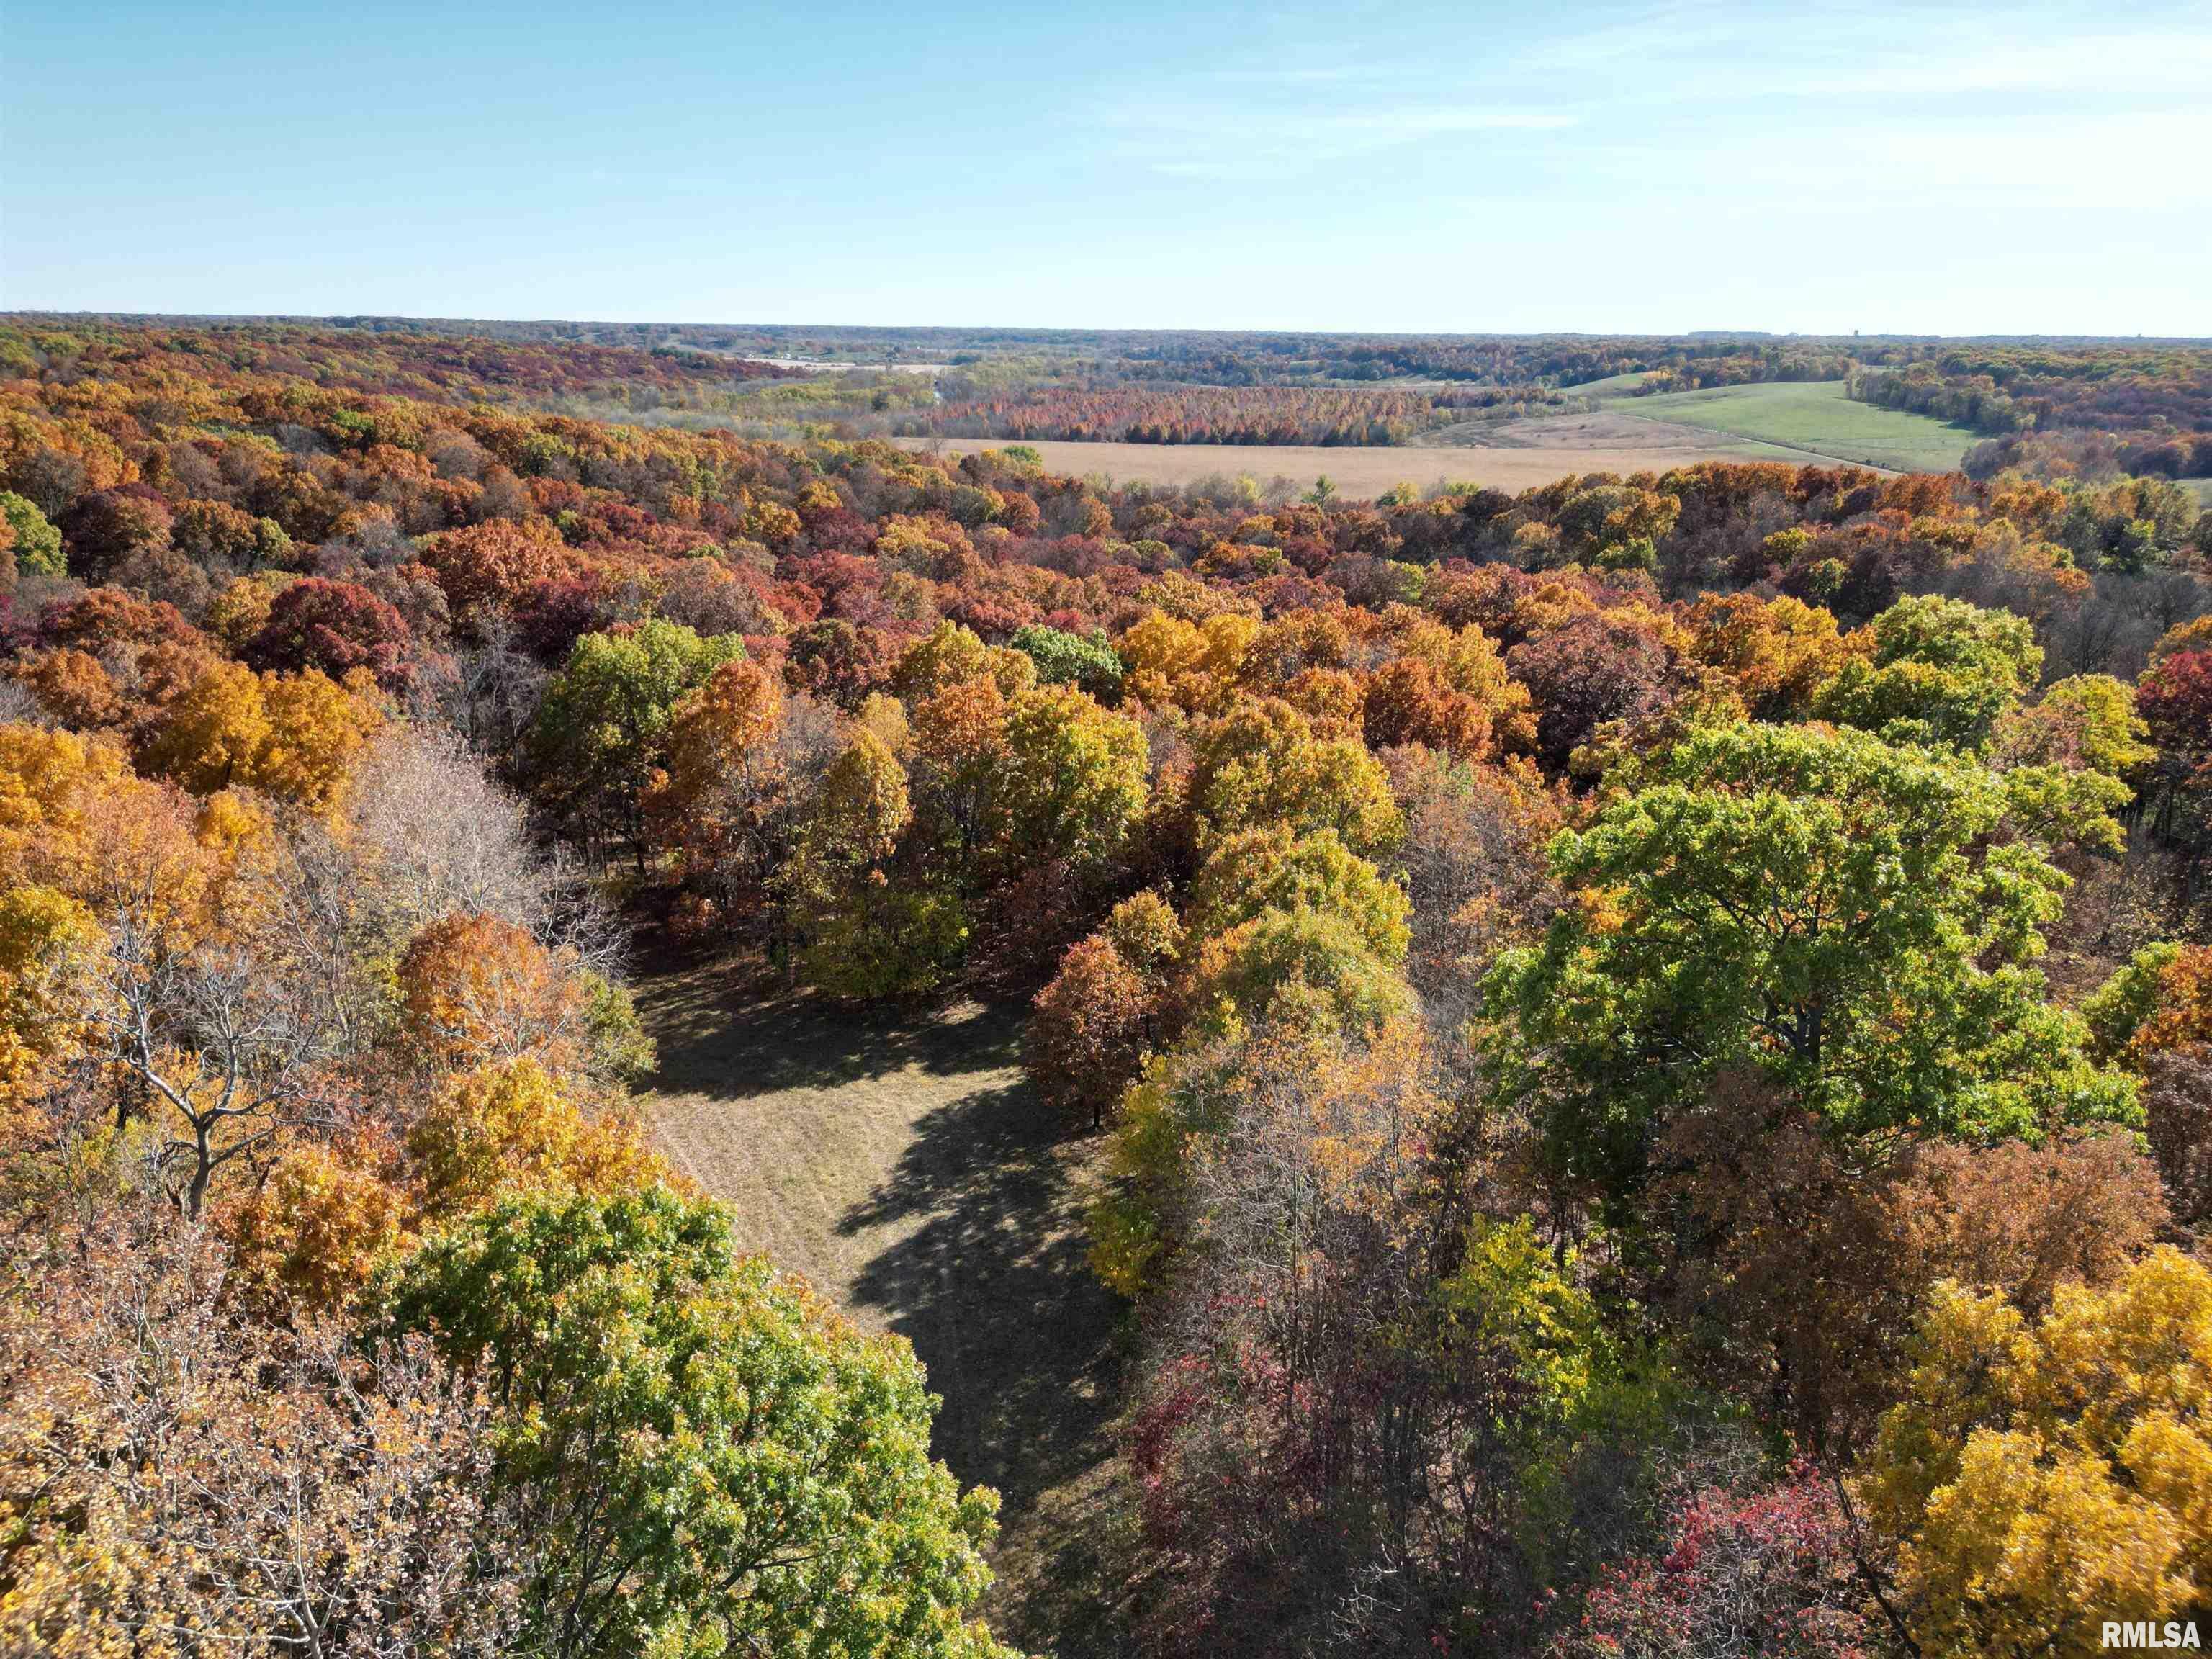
column 1820, row 909
column 705, row 1459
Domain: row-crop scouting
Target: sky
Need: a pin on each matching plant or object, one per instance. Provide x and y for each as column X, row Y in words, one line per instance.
column 1918, row 167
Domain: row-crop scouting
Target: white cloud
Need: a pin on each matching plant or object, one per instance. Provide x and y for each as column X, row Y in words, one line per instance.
column 1698, row 84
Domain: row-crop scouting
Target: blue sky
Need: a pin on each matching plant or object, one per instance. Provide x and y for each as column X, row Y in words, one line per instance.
column 1918, row 167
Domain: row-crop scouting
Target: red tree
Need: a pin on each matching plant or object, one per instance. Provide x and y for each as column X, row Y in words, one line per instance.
column 334, row 627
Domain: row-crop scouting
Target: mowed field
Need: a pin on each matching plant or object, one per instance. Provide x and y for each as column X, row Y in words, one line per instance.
column 898, row 1162
column 1816, row 418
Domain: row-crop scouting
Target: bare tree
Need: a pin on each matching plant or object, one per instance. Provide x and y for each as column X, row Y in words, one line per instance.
column 247, row 1488
column 220, row 1049
column 435, row 835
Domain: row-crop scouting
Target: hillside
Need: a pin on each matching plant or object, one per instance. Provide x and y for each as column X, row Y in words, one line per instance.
column 1815, row 416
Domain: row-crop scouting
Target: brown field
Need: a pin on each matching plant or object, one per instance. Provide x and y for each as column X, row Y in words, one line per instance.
column 1510, row 455
column 899, row 1163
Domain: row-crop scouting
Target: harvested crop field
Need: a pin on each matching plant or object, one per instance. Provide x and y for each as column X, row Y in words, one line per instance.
column 898, row 1161
column 1509, row 456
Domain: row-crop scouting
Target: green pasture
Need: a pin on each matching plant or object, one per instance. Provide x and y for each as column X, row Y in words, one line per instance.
column 1813, row 416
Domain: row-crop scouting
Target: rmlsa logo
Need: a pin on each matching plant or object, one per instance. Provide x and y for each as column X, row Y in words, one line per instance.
column 2147, row 1635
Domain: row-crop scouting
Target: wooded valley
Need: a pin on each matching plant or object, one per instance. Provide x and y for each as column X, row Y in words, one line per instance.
column 1619, row 1068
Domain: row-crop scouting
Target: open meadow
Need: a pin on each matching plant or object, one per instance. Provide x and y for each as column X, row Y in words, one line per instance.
column 1815, row 418
column 898, row 1161
column 1796, row 421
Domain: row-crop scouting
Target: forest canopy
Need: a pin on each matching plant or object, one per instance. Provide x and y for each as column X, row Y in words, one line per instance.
column 1641, row 1049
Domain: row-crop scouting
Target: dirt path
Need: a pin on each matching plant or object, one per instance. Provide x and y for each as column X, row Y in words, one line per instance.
column 899, row 1162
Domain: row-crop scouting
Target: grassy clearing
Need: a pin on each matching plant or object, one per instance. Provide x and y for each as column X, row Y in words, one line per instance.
column 1813, row 416
column 1612, row 385
column 898, row 1162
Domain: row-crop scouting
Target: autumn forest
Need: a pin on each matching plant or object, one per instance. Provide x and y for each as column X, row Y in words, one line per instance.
column 1630, row 1058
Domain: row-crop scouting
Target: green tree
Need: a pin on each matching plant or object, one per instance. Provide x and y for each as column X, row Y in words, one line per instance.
column 2119, row 1008
column 1064, row 658
column 1939, row 670
column 602, row 729
column 2066, row 758
column 1819, row 908
column 708, row 1463
column 864, row 929
column 1303, row 971
column 37, row 543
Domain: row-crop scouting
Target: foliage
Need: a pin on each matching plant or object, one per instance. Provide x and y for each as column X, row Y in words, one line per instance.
column 1264, row 763
column 1767, row 1573
column 1780, row 652
column 179, row 1476
column 1305, row 968
column 1790, row 1265
column 36, row 543
column 509, row 1127
column 1090, row 1031
column 477, row 987
column 293, row 735
column 1074, row 778
column 2119, row 1008
column 1823, row 910
column 708, row 1463
column 1063, row 658
column 1271, row 869
column 1937, row 670
column 1254, row 781
column 1586, row 673
column 605, row 720
column 2040, row 1478
column 334, row 627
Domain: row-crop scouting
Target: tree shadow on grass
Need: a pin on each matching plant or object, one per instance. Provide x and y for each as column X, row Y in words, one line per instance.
column 987, row 1280
column 994, row 1292
column 720, row 1038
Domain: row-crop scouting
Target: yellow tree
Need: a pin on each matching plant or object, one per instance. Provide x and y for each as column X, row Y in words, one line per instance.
column 317, row 729
column 511, row 1126
column 48, row 942
column 1779, row 651
column 209, row 737
column 953, row 655
column 1263, row 763
column 296, row 737
column 959, row 740
column 1074, row 780
column 2041, row 1478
